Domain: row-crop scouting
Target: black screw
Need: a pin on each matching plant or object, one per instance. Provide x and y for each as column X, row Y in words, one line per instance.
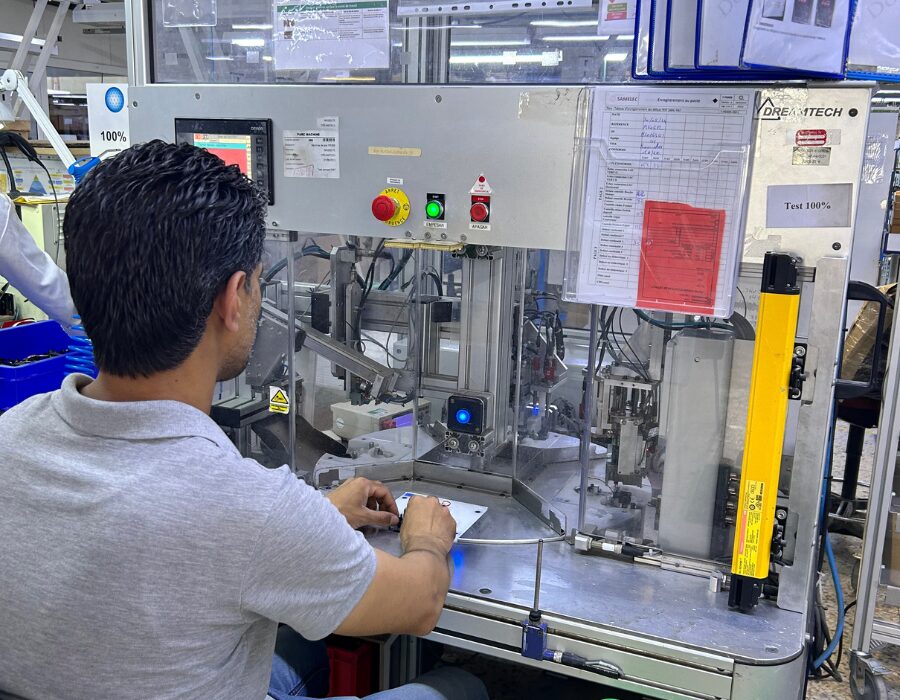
column 854, row 112
column 836, row 245
column 484, row 591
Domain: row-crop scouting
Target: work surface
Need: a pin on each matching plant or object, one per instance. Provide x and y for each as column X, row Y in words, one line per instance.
column 605, row 592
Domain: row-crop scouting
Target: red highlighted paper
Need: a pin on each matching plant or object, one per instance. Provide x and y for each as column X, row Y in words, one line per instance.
column 680, row 254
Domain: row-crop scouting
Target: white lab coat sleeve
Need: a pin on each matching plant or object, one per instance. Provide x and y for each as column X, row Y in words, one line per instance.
column 30, row 270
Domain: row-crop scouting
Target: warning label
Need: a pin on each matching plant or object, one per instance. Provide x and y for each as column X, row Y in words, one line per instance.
column 481, row 186
column 750, row 530
column 278, row 400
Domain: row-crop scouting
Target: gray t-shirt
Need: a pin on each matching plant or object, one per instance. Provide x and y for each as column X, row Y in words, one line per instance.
column 142, row 557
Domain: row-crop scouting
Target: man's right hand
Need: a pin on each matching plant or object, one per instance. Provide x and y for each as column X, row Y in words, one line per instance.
column 427, row 525
column 408, row 592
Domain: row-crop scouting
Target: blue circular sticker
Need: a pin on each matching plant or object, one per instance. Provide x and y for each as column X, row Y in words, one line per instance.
column 115, row 100
column 463, row 416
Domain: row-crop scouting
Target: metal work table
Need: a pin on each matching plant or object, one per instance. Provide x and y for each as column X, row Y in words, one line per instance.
column 601, row 592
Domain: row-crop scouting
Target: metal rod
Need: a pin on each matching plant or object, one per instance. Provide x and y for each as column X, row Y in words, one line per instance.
column 537, row 576
column 586, row 433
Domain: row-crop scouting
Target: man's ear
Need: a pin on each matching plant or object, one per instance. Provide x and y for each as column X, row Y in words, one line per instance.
column 229, row 303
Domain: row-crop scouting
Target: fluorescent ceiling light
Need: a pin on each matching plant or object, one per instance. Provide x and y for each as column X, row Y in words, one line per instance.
column 18, row 38
column 269, row 59
column 500, row 42
column 548, row 58
column 564, row 23
column 219, row 58
column 625, row 37
column 576, row 37
column 612, row 57
column 350, row 78
column 260, row 27
column 249, row 43
column 438, row 28
column 59, row 92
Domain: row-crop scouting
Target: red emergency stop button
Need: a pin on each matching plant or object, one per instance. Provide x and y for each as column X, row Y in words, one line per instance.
column 384, row 208
column 479, row 212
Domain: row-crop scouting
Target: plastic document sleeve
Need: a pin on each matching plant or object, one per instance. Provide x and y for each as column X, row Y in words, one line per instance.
column 658, row 206
column 805, row 35
column 874, row 52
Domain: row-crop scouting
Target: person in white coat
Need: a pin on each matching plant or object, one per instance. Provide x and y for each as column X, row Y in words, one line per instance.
column 30, row 270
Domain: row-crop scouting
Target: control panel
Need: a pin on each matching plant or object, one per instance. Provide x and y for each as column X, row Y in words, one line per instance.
column 485, row 165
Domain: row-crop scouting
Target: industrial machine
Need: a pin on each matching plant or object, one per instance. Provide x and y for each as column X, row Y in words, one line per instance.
column 425, row 321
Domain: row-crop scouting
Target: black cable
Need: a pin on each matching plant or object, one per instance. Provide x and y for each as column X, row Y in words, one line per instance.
column 639, row 366
column 367, row 288
column 281, row 264
column 56, row 200
column 396, row 270
column 744, row 299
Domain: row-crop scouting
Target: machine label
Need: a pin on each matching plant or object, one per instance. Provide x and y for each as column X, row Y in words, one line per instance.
column 477, row 226
column 312, row 153
column 278, row 400
column 107, row 105
column 750, row 529
column 395, row 151
column 395, row 181
column 811, row 155
column 442, row 225
column 809, row 206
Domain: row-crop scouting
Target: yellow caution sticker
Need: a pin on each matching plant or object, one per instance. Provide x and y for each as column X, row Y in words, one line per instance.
column 278, row 400
column 750, row 530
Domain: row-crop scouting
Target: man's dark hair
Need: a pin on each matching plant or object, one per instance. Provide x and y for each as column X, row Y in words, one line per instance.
column 152, row 235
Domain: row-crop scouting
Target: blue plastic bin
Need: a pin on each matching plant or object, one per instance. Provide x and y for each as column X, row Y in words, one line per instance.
column 17, row 343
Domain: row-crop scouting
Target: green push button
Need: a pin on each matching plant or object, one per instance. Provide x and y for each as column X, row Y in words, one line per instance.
column 434, row 209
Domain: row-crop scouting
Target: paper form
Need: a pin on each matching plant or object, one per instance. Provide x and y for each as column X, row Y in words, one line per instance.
column 670, row 147
column 680, row 253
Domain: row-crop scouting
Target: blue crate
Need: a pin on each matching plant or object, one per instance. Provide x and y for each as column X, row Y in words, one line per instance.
column 18, row 383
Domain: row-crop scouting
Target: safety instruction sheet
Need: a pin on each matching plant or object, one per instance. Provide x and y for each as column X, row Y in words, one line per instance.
column 617, row 16
column 662, row 221
column 807, row 35
column 331, row 34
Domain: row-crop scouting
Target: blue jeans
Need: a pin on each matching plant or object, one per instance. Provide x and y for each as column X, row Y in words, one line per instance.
column 300, row 670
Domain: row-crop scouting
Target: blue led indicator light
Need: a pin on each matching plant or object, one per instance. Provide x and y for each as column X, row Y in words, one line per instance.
column 463, row 416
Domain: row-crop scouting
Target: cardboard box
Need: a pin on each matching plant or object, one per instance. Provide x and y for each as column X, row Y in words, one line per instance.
column 21, row 126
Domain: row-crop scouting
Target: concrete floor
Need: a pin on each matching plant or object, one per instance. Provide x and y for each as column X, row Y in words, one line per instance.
column 846, row 549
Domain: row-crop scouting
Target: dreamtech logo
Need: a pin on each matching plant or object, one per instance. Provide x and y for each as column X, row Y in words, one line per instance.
column 769, row 111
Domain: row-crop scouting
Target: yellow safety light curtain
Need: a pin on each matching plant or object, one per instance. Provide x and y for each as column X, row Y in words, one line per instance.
column 776, row 330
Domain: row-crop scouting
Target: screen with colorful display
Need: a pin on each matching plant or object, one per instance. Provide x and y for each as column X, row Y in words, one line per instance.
column 246, row 143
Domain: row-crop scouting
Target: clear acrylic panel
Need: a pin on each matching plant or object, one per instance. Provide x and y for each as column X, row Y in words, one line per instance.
column 261, row 41
column 668, row 400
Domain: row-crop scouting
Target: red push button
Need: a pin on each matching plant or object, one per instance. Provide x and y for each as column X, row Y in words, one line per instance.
column 479, row 212
column 384, row 208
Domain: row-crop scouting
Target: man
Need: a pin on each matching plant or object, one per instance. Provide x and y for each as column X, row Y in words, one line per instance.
column 30, row 270
column 141, row 556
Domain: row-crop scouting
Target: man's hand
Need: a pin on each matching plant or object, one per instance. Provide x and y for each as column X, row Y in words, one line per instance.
column 427, row 525
column 365, row 502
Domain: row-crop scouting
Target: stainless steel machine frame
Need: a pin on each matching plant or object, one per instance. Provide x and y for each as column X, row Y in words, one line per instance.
column 660, row 619
column 879, row 579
